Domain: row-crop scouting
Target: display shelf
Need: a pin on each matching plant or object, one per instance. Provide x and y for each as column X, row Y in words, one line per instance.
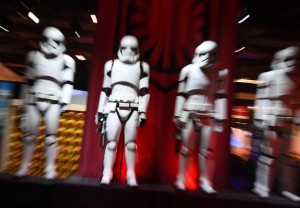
column 69, row 140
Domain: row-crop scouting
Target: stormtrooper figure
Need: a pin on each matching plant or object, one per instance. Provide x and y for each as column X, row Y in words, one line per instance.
column 123, row 102
column 277, row 103
column 200, row 107
column 50, row 75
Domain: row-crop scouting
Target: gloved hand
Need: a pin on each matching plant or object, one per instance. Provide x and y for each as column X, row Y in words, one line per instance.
column 178, row 122
column 179, row 125
column 218, row 125
column 142, row 118
column 100, row 117
column 63, row 107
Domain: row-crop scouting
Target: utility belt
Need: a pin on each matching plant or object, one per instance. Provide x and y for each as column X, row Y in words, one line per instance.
column 47, row 101
column 112, row 106
column 201, row 115
column 201, row 118
column 33, row 98
column 196, row 115
column 128, row 105
column 198, row 107
column 124, row 98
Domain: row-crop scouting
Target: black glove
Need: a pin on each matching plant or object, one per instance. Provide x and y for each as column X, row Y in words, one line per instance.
column 100, row 117
column 178, row 123
column 142, row 118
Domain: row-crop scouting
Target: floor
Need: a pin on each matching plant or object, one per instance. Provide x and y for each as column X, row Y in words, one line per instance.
column 77, row 192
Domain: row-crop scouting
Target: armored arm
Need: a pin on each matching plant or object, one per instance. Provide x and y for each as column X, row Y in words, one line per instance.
column 25, row 95
column 262, row 102
column 220, row 107
column 179, row 106
column 106, row 88
column 101, row 115
column 143, row 92
column 68, row 81
column 181, row 97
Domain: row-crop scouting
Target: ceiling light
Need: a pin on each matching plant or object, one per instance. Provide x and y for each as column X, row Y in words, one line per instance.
column 6, row 24
column 76, row 28
column 77, row 34
column 248, row 81
column 238, row 50
column 33, row 17
column 94, row 18
column 80, row 57
column 3, row 28
column 242, row 20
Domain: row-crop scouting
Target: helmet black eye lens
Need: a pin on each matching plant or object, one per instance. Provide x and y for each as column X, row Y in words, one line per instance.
column 45, row 39
column 57, row 42
column 134, row 50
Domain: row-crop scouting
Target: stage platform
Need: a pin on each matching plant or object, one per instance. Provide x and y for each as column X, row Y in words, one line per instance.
column 75, row 192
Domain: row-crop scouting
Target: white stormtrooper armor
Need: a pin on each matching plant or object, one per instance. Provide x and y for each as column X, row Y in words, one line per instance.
column 123, row 102
column 277, row 102
column 50, row 75
column 201, row 107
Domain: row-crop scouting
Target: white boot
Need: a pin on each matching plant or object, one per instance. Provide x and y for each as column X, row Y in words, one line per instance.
column 108, row 162
column 131, row 179
column 50, row 165
column 291, row 196
column 207, row 170
column 265, row 173
column 26, row 158
column 184, row 161
column 206, row 186
column 106, row 176
column 289, row 180
column 50, row 172
column 261, row 190
column 130, row 156
column 180, row 183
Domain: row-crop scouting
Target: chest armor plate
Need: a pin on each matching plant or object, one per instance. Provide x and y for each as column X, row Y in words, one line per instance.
column 126, row 74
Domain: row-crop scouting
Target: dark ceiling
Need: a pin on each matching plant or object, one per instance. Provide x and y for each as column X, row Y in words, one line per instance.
column 273, row 25
column 24, row 34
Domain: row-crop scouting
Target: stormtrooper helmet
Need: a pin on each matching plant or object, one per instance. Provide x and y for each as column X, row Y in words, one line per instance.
column 52, row 42
column 128, row 51
column 290, row 58
column 205, row 54
column 277, row 62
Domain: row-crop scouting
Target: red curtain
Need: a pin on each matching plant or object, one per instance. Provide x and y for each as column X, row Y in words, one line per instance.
column 223, row 29
column 168, row 32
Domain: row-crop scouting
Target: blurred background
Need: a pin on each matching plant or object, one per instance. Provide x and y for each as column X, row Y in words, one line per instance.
column 264, row 27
